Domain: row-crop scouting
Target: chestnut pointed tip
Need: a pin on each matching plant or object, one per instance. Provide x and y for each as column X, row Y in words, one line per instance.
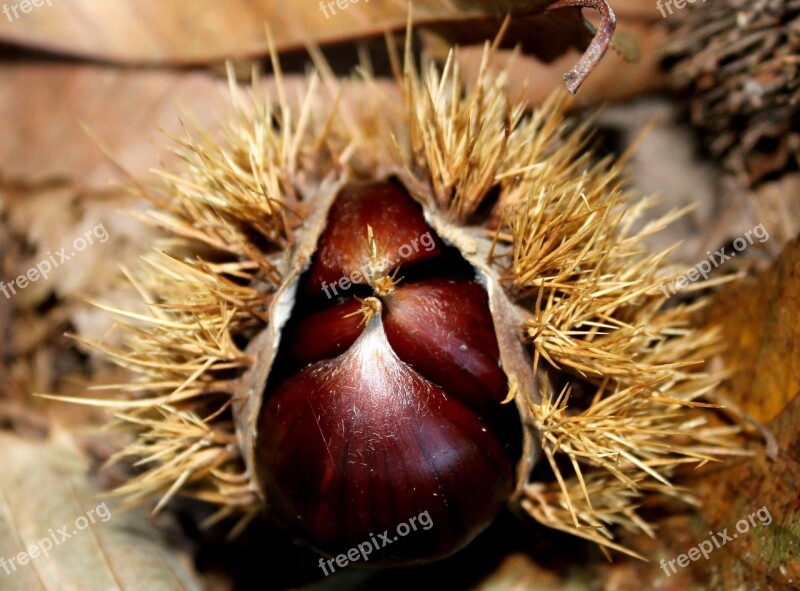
column 370, row 308
column 373, row 304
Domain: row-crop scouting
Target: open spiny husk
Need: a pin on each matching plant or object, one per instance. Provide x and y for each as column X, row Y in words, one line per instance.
column 560, row 241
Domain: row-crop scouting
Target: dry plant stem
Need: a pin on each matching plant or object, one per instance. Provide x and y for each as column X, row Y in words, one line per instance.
column 597, row 48
column 739, row 414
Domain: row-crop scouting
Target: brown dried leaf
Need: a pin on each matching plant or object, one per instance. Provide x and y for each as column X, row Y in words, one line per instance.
column 42, row 107
column 186, row 31
column 43, row 489
column 759, row 320
column 51, row 114
column 765, row 556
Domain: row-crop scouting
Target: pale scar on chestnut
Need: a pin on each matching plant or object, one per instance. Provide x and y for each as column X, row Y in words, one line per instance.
column 385, row 401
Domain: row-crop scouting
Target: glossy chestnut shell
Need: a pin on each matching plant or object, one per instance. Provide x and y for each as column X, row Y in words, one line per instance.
column 384, row 400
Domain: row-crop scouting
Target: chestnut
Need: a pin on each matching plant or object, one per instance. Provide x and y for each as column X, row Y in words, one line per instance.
column 396, row 306
column 384, row 407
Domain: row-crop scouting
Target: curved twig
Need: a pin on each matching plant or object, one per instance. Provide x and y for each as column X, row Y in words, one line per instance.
column 597, row 48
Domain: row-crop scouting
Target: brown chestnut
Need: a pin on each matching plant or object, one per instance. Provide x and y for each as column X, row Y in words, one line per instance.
column 414, row 303
column 384, row 402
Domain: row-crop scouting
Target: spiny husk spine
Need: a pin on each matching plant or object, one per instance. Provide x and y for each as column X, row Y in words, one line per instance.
column 563, row 247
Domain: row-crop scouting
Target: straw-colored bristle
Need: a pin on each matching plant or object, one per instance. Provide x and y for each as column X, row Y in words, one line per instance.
column 564, row 249
column 568, row 250
column 231, row 209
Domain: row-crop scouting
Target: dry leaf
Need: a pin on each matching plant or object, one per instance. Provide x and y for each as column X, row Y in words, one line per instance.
column 45, row 496
column 42, row 108
column 50, row 112
column 199, row 33
column 188, row 31
column 779, row 208
column 765, row 555
column 759, row 320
